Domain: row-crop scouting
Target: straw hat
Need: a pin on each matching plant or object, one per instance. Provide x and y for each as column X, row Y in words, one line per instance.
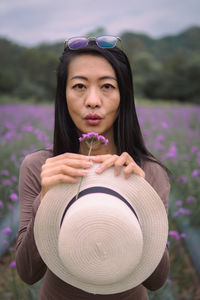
column 107, row 241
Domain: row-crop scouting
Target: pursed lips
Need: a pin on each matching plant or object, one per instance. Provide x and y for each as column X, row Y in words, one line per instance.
column 93, row 117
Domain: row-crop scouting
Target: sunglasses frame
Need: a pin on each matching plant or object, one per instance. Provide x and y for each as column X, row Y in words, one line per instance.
column 92, row 38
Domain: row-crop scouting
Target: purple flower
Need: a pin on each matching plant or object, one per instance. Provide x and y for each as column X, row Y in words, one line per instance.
column 172, row 153
column 190, row 199
column 182, row 178
column 9, row 135
column 6, row 230
column 194, row 149
column 183, row 235
column 178, row 203
column 93, row 137
column 102, row 139
column 14, row 197
column 184, row 211
column 174, row 234
column 195, row 173
column 14, row 178
column 12, row 264
column 160, row 137
column 4, row 172
column 6, row 182
column 164, row 125
column 1, row 203
column 169, row 281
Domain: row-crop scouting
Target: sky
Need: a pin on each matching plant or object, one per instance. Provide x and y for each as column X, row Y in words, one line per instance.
column 30, row 22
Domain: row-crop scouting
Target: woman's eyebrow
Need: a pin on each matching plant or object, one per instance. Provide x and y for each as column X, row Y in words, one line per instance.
column 101, row 78
column 79, row 77
column 108, row 77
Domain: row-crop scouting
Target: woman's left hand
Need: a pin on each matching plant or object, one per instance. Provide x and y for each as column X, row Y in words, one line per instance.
column 124, row 160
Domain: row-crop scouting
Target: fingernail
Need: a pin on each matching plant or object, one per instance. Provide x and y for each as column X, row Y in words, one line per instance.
column 84, row 172
column 89, row 163
column 116, row 173
column 98, row 170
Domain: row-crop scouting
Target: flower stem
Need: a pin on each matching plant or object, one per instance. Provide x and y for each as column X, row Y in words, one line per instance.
column 79, row 187
column 91, row 144
column 90, row 149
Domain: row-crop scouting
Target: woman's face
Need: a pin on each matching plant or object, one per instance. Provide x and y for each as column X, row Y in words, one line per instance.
column 92, row 94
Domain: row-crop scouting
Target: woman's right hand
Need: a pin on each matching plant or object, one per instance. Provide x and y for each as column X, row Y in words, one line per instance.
column 63, row 168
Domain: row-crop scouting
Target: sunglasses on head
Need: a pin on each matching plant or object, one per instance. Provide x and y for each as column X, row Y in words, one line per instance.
column 105, row 41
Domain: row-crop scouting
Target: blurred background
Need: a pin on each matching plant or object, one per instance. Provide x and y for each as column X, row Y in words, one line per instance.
column 162, row 41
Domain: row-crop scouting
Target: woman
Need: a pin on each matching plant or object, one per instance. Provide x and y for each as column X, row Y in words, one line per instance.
column 94, row 93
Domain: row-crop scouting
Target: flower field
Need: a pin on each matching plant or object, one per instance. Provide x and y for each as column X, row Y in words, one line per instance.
column 172, row 133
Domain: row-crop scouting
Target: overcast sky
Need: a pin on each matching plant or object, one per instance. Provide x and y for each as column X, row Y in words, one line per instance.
column 33, row 21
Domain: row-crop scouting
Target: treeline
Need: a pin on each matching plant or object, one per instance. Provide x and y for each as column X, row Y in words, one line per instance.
column 166, row 68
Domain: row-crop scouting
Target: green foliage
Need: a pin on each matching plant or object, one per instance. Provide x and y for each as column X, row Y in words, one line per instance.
column 165, row 68
column 27, row 72
column 146, row 70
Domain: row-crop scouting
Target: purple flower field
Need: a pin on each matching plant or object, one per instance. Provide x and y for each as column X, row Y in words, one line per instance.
column 172, row 134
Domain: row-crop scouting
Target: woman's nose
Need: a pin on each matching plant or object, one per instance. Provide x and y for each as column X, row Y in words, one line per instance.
column 93, row 98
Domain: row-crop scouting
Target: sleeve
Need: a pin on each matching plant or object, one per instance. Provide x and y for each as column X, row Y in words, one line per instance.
column 157, row 177
column 30, row 266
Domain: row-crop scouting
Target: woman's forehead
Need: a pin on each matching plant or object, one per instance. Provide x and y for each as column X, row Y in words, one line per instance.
column 87, row 63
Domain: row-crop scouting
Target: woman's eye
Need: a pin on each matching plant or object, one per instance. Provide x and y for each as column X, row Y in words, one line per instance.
column 108, row 86
column 78, row 86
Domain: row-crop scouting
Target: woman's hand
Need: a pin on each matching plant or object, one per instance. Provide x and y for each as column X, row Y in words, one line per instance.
column 63, row 168
column 108, row 160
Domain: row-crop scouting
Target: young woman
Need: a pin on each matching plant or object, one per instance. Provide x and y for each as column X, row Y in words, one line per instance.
column 94, row 93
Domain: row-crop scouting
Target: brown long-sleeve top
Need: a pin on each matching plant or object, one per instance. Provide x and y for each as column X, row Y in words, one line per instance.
column 30, row 265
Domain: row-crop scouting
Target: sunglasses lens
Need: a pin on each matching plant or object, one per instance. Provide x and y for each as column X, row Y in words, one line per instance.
column 106, row 41
column 76, row 43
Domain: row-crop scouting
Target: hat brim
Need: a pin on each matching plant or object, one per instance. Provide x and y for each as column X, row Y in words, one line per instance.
column 143, row 198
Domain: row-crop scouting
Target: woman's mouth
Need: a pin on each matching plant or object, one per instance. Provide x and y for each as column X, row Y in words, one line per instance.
column 93, row 119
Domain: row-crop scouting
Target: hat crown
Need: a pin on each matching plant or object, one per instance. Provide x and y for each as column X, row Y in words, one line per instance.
column 100, row 240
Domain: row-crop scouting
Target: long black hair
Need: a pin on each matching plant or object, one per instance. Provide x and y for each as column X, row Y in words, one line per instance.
column 127, row 132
